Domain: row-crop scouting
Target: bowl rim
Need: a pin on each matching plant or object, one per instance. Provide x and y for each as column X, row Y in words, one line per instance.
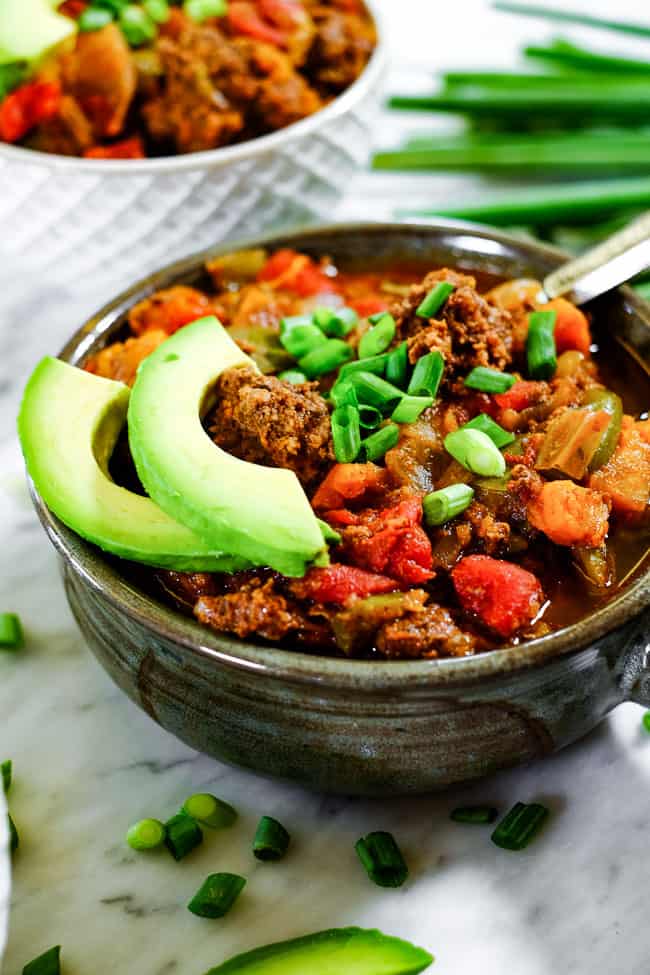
column 367, row 82
column 96, row 571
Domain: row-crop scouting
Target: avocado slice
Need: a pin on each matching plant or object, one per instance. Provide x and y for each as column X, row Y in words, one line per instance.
column 68, row 424
column 31, row 28
column 258, row 513
column 339, row 951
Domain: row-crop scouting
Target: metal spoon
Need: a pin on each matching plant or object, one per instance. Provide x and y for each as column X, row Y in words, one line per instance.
column 614, row 261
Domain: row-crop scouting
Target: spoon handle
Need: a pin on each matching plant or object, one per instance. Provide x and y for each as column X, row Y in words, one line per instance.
column 616, row 260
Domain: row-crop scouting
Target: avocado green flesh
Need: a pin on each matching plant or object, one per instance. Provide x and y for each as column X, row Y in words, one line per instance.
column 258, row 513
column 339, row 951
column 68, row 424
column 31, row 28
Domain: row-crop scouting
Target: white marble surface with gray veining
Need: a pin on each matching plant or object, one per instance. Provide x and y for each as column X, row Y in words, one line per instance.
column 88, row 762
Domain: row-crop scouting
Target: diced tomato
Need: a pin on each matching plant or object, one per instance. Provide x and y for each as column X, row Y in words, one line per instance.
column 504, row 596
column 28, row 106
column 131, row 148
column 73, row 8
column 569, row 514
column 397, row 545
column 283, row 13
column 295, row 272
column 365, row 307
column 571, row 326
column 349, row 482
column 311, row 280
column 337, row 583
column 625, row 478
column 243, row 18
column 170, row 310
column 521, row 395
column 341, row 518
column 411, row 560
column 277, row 265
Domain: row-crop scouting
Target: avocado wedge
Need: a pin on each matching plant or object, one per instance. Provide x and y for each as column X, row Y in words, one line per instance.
column 29, row 29
column 258, row 513
column 339, row 951
column 68, row 424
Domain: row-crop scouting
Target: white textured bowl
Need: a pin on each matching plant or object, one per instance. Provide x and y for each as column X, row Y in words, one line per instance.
column 5, row 876
column 70, row 217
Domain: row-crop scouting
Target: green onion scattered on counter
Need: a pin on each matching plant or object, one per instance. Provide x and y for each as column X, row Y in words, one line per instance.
column 520, row 826
column 325, row 358
column 564, row 54
column 434, row 300
column 489, row 380
column 474, row 814
column 499, row 437
column 572, row 17
column 182, row 835
column 475, row 451
column 441, row 506
column 396, row 367
column 14, row 839
column 147, row 834
column 410, row 407
column 427, row 375
column 11, row 632
column 49, row 963
column 377, row 339
column 541, row 352
column 382, row 859
column 346, row 433
column 271, row 840
column 217, row 894
column 646, row 721
column 6, row 771
column 301, row 339
column 209, row 811
column 200, row 10
column 375, row 446
column 293, row 376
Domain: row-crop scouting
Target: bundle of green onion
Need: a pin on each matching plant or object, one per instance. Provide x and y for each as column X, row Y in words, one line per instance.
column 579, row 114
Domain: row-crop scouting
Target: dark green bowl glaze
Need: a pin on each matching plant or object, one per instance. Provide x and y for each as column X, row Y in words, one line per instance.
column 359, row 727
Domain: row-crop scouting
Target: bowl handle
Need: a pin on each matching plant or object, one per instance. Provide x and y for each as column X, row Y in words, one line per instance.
column 634, row 663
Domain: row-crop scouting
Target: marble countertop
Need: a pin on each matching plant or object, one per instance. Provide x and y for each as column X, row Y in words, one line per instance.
column 88, row 763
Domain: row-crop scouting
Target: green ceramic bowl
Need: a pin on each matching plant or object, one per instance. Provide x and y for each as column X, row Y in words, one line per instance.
column 359, row 727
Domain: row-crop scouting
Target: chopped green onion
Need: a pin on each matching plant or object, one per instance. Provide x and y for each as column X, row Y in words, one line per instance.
column 377, row 339
column 541, row 352
column 434, row 300
column 329, row 535
column 443, row 505
column 14, row 839
column 489, row 380
column 209, row 811
column 498, row 436
column 335, row 322
column 409, row 408
column 375, row 364
column 11, row 632
column 271, row 840
column 158, row 10
column 148, row 834
column 325, row 358
column 217, row 894
column 369, row 416
column 115, row 5
column 377, row 316
column 343, row 393
column 475, row 451
column 293, row 376
column 49, row 963
column 346, row 433
column 136, row 25
column 6, row 771
column 182, row 835
column 293, row 321
column 382, row 859
column 646, row 721
column 474, row 814
column 94, row 18
column 375, row 446
column 200, row 10
column 427, row 375
column 375, row 390
column 396, row 368
column 299, row 340
column 520, row 825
